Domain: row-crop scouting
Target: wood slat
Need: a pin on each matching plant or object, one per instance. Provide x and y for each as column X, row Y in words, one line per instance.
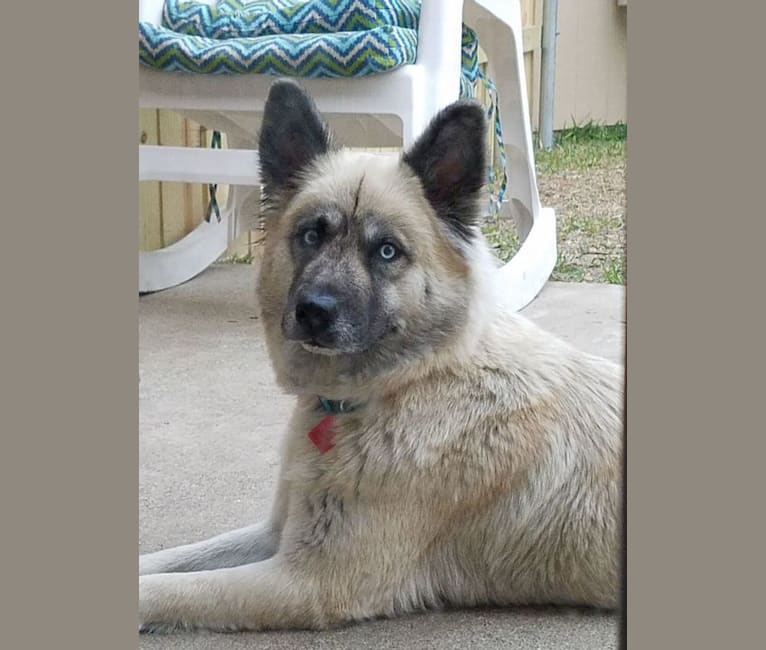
column 172, row 131
column 531, row 38
column 149, row 203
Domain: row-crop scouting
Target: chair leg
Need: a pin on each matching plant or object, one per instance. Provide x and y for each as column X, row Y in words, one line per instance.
column 188, row 257
column 525, row 274
column 179, row 262
column 183, row 260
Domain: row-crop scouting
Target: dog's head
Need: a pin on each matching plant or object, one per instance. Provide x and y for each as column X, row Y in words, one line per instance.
column 368, row 262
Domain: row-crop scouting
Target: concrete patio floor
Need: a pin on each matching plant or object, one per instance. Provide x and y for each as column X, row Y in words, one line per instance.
column 210, row 421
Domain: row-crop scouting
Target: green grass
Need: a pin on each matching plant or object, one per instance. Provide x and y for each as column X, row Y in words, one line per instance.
column 615, row 271
column 591, row 131
column 237, row 259
column 588, row 225
column 502, row 237
column 583, row 147
column 567, row 271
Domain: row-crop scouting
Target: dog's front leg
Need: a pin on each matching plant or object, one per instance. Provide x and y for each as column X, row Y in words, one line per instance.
column 234, row 548
column 264, row 595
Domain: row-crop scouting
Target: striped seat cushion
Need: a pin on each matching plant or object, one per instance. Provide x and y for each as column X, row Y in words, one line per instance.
column 299, row 38
column 249, row 18
column 343, row 54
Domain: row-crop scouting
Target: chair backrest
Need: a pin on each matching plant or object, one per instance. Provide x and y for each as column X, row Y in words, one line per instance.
column 151, row 11
column 439, row 38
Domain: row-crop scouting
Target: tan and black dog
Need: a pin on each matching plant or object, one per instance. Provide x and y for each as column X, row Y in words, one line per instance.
column 443, row 452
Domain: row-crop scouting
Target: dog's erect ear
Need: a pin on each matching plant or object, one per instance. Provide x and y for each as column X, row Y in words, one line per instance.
column 450, row 160
column 292, row 135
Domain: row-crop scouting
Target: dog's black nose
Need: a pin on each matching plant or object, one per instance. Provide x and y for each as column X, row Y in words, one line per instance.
column 316, row 313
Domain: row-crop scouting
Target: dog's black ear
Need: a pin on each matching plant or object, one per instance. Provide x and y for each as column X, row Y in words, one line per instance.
column 292, row 135
column 450, row 159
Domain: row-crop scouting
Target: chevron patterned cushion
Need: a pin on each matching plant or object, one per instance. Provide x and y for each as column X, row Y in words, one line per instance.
column 248, row 18
column 303, row 38
column 345, row 54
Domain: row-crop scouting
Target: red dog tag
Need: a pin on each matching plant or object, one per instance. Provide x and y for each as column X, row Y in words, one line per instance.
column 321, row 436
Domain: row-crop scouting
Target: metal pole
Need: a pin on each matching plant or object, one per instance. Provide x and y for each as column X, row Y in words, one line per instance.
column 548, row 72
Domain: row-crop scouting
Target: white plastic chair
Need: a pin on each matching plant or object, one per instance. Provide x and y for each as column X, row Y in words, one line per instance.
column 388, row 109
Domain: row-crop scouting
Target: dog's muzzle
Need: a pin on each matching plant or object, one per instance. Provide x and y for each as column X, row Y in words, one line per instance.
column 316, row 314
column 314, row 320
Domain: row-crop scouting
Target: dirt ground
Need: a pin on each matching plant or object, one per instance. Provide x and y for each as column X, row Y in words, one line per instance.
column 585, row 182
column 591, row 213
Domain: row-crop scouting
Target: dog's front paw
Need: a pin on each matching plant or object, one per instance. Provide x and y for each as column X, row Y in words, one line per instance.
column 146, row 565
column 154, row 615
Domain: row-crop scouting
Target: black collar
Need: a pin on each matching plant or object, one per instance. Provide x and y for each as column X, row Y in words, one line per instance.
column 336, row 406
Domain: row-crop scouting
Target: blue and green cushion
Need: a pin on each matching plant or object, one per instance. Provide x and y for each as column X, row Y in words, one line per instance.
column 301, row 38
column 343, row 54
column 249, row 18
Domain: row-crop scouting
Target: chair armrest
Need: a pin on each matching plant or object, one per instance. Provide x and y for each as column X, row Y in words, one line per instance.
column 150, row 11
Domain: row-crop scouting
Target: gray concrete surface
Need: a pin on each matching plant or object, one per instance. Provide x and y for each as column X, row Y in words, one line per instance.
column 210, row 421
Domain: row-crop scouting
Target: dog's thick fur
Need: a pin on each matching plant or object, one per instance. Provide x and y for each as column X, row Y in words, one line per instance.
column 482, row 464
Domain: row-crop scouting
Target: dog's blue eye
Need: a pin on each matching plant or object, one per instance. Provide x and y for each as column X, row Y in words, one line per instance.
column 311, row 237
column 387, row 252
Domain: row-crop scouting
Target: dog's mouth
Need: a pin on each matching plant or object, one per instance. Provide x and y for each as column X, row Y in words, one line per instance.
column 314, row 347
column 333, row 346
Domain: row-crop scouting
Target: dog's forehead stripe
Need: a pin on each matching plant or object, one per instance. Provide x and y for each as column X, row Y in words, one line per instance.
column 360, row 187
column 358, row 181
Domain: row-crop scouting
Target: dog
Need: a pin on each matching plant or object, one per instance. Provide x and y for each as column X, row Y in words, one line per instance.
column 443, row 452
